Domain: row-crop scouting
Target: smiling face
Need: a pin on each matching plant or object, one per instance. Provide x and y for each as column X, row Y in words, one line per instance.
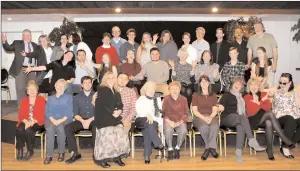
column 116, row 32
column 204, row 84
column 60, row 86
column 32, row 91
column 26, row 35
column 206, row 57
column 44, row 42
column 219, row 34
column 233, row 54
column 68, row 56
column 122, row 80
column 63, row 39
column 87, row 85
column 105, row 59
column 254, row 88
column 154, row 55
column 146, row 38
column 260, row 54
column 237, row 86
column 81, row 56
column 131, row 36
column 186, row 39
column 106, row 40
column 284, row 83
column 238, row 33
column 130, row 56
column 258, row 28
column 174, row 90
column 200, row 33
column 166, row 37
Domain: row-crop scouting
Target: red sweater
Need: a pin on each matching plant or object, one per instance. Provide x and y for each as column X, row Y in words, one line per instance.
column 252, row 108
column 38, row 110
column 114, row 57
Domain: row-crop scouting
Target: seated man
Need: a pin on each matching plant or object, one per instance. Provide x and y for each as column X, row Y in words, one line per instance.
column 233, row 68
column 157, row 71
column 129, row 97
column 175, row 109
column 83, row 110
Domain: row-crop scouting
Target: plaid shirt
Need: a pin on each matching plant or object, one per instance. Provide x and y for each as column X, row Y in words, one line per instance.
column 232, row 71
column 129, row 99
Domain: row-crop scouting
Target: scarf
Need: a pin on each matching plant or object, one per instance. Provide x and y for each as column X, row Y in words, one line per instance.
column 157, row 111
column 240, row 102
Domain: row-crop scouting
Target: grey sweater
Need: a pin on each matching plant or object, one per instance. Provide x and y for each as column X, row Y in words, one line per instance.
column 168, row 51
column 157, row 72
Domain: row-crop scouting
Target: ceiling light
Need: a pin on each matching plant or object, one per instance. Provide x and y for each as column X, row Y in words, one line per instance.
column 8, row 18
column 118, row 10
column 214, row 9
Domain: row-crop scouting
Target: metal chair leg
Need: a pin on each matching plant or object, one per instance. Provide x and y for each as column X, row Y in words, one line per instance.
column 77, row 143
column 191, row 150
column 220, row 143
column 45, row 148
column 42, row 155
column 132, row 146
column 15, row 147
column 225, row 145
column 194, row 143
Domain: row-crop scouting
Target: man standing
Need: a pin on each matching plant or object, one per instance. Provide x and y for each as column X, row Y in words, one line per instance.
column 200, row 44
column 20, row 62
column 266, row 40
column 220, row 49
column 83, row 110
column 117, row 41
column 157, row 71
column 129, row 45
column 129, row 97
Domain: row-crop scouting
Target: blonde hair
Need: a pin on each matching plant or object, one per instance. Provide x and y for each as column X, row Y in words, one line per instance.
column 200, row 28
column 147, row 85
column 44, row 36
column 253, row 81
column 143, row 43
column 181, row 52
column 32, row 83
column 175, row 83
column 107, row 75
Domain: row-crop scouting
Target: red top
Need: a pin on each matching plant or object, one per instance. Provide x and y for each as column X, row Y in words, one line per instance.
column 175, row 110
column 114, row 57
column 252, row 108
column 130, row 70
column 38, row 110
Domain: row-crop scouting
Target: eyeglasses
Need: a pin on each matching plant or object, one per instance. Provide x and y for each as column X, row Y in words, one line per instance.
column 283, row 83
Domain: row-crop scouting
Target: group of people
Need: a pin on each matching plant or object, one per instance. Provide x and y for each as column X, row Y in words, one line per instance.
column 123, row 91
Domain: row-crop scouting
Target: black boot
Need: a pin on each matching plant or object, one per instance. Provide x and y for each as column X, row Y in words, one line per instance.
column 177, row 154
column 104, row 164
column 28, row 155
column 47, row 160
column 75, row 157
column 205, row 154
column 213, row 153
column 170, row 155
column 147, row 160
column 120, row 163
column 20, row 154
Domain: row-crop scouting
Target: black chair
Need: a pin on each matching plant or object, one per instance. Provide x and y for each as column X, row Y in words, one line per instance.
column 4, row 83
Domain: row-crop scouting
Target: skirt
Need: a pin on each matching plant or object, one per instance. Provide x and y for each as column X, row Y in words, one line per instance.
column 111, row 143
column 254, row 120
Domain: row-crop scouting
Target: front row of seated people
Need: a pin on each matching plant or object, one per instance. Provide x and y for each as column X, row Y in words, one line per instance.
column 109, row 113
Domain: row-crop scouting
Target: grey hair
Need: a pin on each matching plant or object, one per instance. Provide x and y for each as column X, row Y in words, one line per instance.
column 26, row 30
column 44, row 36
column 200, row 28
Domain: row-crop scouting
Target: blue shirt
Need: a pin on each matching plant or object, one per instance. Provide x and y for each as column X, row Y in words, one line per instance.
column 82, row 105
column 59, row 107
column 118, row 44
column 79, row 72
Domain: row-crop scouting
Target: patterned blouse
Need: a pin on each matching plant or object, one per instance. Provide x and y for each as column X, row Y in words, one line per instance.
column 208, row 70
column 31, row 113
column 285, row 104
column 182, row 73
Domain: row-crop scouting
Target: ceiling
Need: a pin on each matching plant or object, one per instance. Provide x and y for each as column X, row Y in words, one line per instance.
column 150, row 4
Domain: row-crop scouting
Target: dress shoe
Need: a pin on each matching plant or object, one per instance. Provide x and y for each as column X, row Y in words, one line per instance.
column 214, row 153
column 271, row 157
column 20, row 154
column 289, row 156
column 177, row 154
column 74, row 158
column 28, row 155
column 120, row 163
column 61, row 157
column 147, row 160
column 205, row 154
column 170, row 155
column 47, row 160
column 104, row 164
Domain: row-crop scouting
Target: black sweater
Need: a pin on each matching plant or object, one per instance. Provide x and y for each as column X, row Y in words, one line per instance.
column 229, row 102
column 223, row 53
column 105, row 104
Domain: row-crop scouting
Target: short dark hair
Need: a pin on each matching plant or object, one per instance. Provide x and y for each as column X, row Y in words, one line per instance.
column 233, row 48
column 154, row 49
column 131, row 30
column 106, row 35
column 81, row 50
column 75, row 38
column 220, row 29
column 290, row 77
column 204, row 77
column 86, row 78
column 123, row 73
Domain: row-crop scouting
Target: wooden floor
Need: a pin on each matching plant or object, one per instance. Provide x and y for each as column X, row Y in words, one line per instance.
column 251, row 162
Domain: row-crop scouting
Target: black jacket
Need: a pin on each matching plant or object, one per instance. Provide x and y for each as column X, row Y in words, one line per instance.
column 223, row 53
column 229, row 102
column 243, row 51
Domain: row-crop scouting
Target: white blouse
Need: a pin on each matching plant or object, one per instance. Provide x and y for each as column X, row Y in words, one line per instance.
column 48, row 53
column 145, row 106
column 192, row 54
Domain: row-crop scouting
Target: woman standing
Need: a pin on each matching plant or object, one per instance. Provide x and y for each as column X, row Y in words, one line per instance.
column 167, row 47
column 258, row 107
column 205, row 109
column 62, row 69
column 210, row 69
column 59, row 51
column 148, row 118
column 143, row 52
column 31, row 119
column 111, row 142
column 80, row 45
column 191, row 50
column 234, row 115
column 286, row 107
column 106, row 48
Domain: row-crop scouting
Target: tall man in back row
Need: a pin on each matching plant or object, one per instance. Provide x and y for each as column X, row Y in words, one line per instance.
column 20, row 62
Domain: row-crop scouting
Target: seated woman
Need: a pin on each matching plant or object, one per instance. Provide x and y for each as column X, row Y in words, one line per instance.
column 148, row 118
column 286, row 108
column 111, row 142
column 132, row 68
column 31, row 120
column 207, row 67
column 258, row 108
column 181, row 72
column 261, row 67
column 176, row 110
column 205, row 109
column 105, row 66
column 56, row 120
column 61, row 69
column 234, row 115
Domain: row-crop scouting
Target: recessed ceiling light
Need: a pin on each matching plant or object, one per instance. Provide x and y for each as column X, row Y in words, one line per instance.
column 8, row 18
column 214, row 9
column 118, row 10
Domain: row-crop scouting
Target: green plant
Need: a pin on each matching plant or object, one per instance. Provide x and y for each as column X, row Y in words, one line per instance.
column 297, row 34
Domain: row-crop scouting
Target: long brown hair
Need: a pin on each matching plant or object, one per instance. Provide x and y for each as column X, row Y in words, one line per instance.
column 265, row 62
column 143, row 43
column 109, row 63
